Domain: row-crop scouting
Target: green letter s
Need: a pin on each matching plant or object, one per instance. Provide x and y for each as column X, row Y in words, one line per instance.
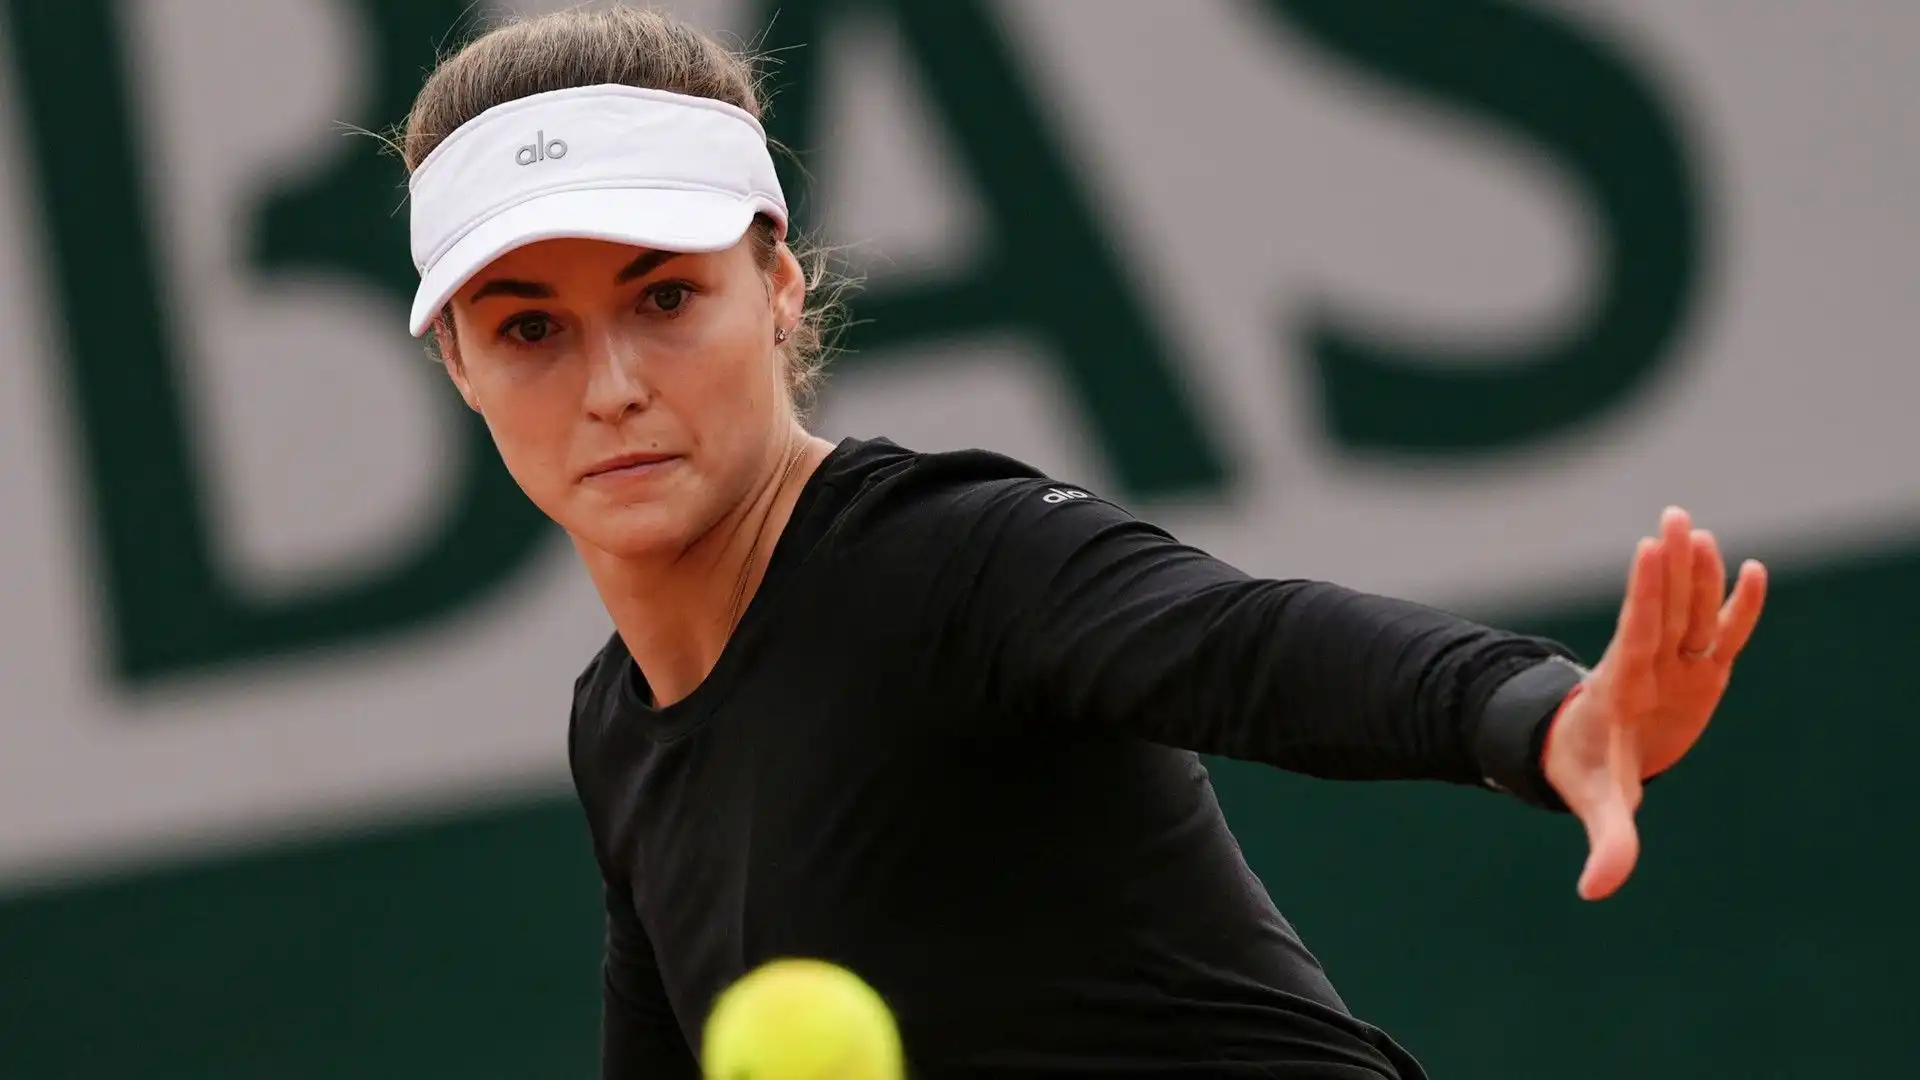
column 1581, row 101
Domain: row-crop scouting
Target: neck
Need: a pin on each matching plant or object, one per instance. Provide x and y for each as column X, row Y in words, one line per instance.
column 676, row 613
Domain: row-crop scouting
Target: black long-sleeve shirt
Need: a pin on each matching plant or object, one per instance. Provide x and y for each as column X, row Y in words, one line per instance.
column 954, row 745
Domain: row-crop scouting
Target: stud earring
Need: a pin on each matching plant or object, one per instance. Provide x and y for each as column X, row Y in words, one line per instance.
column 780, row 335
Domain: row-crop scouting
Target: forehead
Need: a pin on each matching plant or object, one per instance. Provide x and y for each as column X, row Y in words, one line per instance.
column 562, row 257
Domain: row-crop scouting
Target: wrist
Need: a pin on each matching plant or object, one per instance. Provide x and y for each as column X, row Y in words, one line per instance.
column 1510, row 741
column 1553, row 722
column 1543, row 750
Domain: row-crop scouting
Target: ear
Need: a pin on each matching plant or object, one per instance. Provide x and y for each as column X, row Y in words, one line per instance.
column 789, row 282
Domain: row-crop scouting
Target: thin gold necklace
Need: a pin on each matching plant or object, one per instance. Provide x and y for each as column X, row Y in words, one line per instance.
column 746, row 571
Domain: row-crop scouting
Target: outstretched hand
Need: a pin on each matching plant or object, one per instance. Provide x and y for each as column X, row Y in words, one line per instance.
column 1646, row 702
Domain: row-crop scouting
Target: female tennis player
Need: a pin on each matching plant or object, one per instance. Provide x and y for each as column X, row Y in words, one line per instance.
column 935, row 716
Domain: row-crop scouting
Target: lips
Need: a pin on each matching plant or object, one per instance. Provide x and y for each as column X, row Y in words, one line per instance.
column 628, row 465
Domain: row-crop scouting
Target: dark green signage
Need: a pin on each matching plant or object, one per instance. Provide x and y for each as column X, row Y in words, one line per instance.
column 1583, row 103
column 1050, row 273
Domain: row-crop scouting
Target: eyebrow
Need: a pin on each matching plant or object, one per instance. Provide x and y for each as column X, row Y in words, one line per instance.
column 646, row 263
column 525, row 290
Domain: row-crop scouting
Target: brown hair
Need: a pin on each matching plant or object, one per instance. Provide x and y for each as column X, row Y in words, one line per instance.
column 632, row 47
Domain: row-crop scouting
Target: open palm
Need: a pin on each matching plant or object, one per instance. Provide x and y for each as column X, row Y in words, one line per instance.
column 1650, row 697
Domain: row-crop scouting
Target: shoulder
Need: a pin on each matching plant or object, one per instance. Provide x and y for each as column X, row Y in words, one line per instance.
column 871, row 470
column 593, row 722
column 954, row 493
column 595, row 703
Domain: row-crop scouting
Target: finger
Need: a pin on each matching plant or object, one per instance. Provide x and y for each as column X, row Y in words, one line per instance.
column 1676, row 549
column 1709, row 592
column 1742, row 610
column 1637, row 638
column 1613, row 841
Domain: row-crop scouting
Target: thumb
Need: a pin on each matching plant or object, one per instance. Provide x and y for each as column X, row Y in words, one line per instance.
column 1613, row 841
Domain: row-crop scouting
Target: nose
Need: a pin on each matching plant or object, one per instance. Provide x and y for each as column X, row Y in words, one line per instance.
column 616, row 376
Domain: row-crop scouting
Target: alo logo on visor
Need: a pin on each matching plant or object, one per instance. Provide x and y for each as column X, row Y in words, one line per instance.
column 540, row 149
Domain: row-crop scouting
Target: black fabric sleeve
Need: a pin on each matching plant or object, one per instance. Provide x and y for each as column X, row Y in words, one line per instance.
column 1080, row 613
column 640, row 1038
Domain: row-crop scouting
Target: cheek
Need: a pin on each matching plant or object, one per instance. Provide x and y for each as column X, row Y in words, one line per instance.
column 531, row 421
column 729, row 379
column 739, row 414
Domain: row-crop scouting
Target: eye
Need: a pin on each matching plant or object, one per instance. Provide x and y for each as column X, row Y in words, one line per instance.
column 529, row 328
column 668, row 297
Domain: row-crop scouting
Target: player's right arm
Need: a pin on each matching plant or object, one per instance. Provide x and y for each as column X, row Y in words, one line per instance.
column 640, row 1038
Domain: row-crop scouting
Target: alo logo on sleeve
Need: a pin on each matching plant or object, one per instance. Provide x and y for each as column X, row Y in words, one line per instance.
column 1060, row 495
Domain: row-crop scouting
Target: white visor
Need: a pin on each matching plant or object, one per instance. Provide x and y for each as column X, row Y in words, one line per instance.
column 642, row 167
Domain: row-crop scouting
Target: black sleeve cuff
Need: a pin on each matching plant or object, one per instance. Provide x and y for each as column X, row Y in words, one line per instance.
column 1513, row 731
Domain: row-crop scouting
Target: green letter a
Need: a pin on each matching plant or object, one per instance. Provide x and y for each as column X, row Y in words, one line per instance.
column 1049, row 270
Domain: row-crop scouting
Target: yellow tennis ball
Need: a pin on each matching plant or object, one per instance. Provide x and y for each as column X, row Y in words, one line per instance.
column 801, row 1020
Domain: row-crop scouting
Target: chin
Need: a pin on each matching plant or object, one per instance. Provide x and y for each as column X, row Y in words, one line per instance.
column 636, row 532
